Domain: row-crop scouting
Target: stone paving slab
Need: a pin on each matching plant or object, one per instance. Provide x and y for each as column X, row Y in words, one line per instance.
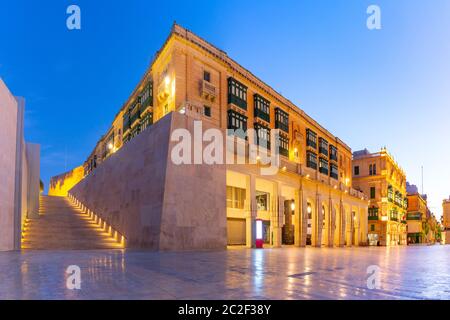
column 287, row 273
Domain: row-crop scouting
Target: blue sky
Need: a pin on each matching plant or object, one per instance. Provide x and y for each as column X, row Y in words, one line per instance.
column 387, row 87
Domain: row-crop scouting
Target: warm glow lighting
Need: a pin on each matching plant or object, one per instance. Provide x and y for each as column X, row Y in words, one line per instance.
column 167, row 80
column 259, row 229
column 110, row 146
column 309, row 208
column 307, row 176
column 292, row 205
column 384, row 218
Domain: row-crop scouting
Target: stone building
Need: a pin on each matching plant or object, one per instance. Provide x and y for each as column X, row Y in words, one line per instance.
column 309, row 201
column 446, row 219
column 384, row 182
column 416, row 218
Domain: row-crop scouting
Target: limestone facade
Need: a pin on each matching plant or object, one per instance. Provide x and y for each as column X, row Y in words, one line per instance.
column 310, row 201
column 379, row 177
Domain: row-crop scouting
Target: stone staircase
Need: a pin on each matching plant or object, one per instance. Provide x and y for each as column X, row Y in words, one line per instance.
column 63, row 226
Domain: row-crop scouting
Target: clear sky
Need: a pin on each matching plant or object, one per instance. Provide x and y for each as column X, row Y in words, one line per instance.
column 387, row 87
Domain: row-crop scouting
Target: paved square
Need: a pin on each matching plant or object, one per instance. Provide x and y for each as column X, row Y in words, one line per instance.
column 287, row 273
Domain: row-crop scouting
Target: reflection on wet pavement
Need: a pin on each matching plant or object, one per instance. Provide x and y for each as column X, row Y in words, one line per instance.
column 288, row 273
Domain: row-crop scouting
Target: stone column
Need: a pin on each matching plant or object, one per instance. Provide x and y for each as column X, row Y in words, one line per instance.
column 342, row 224
column 318, row 219
column 251, row 212
column 349, row 228
column 277, row 213
column 298, row 221
column 331, row 223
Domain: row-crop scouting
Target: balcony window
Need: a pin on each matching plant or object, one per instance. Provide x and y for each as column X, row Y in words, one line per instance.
column 311, row 160
column 262, row 108
column 323, row 166
column 146, row 97
column 373, row 170
column 356, row 170
column 284, row 146
column 334, row 172
column 372, row 192
column 333, row 153
column 126, row 121
column 237, row 93
column 323, row 146
column 390, row 194
column 373, row 213
column 311, row 139
column 147, row 121
column 237, row 121
column 281, row 120
column 394, row 215
column 262, row 136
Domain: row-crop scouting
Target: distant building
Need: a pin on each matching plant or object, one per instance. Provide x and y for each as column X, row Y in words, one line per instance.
column 446, row 219
column 379, row 177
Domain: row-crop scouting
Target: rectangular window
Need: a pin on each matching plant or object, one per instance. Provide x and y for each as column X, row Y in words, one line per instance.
column 237, row 93
column 333, row 153
column 207, row 111
column 262, row 135
column 235, row 197
column 146, row 97
column 372, row 192
column 390, row 194
column 147, row 121
column 206, row 76
column 261, row 108
column 284, row 146
column 323, row 166
column 311, row 139
column 334, row 172
column 311, row 160
column 372, row 227
column 370, row 170
column 323, row 146
column 262, row 201
column 373, row 213
column 281, row 120
column 237, row 121
column 356, row 170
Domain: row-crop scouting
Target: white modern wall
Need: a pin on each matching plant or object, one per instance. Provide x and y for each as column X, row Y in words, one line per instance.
column 8, row 132
column 19, row 171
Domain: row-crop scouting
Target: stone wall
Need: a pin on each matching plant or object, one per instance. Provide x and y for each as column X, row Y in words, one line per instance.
column 8, row 132
column 154, row 203
column 61, row 184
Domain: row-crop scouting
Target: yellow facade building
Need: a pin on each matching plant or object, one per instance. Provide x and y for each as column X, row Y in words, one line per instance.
column 384, row 182
column 416, row 218
column 310, row 201
column 446, row 220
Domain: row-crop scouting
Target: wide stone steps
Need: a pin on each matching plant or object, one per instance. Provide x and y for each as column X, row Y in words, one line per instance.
column 63, row 226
